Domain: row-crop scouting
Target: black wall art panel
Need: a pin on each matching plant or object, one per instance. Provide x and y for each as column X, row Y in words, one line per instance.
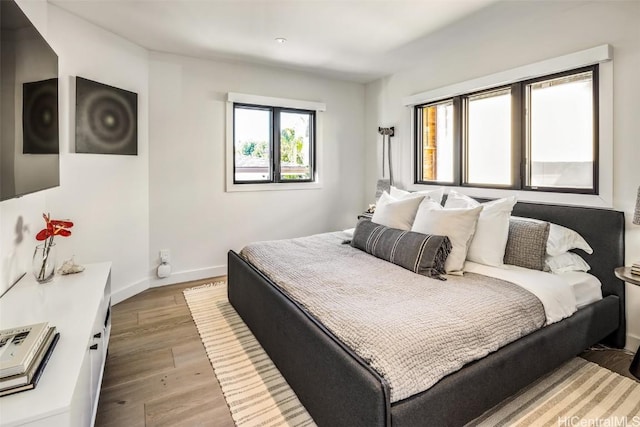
column 40, row 117
column 106, row 119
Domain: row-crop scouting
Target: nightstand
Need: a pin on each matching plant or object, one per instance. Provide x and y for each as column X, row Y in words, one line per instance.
column 624, row 273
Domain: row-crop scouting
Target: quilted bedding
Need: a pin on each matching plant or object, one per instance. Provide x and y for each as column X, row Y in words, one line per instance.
column 413, row 330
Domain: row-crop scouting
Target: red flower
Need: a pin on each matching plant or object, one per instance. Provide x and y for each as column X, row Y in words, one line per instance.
column 54, row 227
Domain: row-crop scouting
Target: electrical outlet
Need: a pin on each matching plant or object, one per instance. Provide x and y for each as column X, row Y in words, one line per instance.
column 165, row 254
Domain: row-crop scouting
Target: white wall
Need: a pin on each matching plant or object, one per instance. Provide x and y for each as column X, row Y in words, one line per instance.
column 125, row 211
column 511, row 34
column 190, row 212
column 106, row 196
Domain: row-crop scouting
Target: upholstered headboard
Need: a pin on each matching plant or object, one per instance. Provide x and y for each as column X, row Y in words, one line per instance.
column 603, row 229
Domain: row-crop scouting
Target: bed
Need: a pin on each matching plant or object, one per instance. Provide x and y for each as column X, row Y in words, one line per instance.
column 339, row 388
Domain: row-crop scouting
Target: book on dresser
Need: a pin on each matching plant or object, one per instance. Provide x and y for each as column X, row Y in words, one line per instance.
column 24, row 378
column 635, row 268
column 18, row 347
column 33, row 376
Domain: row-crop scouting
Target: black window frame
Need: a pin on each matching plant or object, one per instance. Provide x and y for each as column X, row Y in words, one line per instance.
column 519, row 143
column 275, row 175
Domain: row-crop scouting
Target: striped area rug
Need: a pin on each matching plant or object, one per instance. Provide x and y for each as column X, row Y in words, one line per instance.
column 576, row 394
column 256, row 392
column 579, row 393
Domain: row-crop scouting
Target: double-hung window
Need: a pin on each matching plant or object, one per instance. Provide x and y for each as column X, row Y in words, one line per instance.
column 539, row 134
column 273, row 144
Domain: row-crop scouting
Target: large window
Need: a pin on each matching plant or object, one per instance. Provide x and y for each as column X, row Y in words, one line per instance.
column 560, row 132
column 273, row 144
column 538, row 134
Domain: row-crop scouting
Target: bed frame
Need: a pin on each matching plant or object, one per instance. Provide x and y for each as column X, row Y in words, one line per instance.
column 339, row 389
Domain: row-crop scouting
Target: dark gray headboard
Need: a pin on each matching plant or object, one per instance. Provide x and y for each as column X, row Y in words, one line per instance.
column 603, row 229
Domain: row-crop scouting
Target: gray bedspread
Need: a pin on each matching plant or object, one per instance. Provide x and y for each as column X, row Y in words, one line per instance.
column 413, row 330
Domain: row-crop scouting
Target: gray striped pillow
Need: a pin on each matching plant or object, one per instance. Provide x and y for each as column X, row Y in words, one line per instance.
column 421, row 253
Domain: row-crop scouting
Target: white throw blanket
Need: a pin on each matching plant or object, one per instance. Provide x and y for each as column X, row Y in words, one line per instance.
column 411, row 329
column 552, row 290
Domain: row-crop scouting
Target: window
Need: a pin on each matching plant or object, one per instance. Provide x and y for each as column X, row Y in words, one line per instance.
column 488, row 137
column 560, row 132
column 436, row 141
column 273, row 144
column 537, row 134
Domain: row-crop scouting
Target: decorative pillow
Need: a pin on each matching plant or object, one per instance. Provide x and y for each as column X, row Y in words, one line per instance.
column 567, row 261
column 562, row 239
column 490, row 239
column 435, row 195
column 396, row 213
column 420, row 253
column 457, row 224
column 527, row 243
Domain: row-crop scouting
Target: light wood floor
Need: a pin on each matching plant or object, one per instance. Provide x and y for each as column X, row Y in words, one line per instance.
column 158, row 373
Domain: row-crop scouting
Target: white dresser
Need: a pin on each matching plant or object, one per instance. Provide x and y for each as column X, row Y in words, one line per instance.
column 79, row 305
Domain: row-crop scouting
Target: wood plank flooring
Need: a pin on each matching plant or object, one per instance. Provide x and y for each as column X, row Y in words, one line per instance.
column 158, row 374
column 157, row 371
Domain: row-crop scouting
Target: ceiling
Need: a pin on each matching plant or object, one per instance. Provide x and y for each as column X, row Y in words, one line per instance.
column 356, row 40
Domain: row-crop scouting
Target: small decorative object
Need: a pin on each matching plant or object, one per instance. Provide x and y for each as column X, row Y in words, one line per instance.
column 371, row 209
column 44, row 260
column 70, row 267
column 106, row 119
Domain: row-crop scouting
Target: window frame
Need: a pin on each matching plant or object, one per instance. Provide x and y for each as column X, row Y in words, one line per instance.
column 525, row 146
column 417, row 116
column 286, row 103
column 275, row 174
column 519, row 143
column 464, row 139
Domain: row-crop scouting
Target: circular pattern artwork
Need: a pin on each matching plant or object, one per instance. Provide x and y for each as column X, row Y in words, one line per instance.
column 40, row 117
column 106, row 119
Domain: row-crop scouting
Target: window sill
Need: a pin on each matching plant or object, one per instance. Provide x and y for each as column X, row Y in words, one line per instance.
column 231, row 187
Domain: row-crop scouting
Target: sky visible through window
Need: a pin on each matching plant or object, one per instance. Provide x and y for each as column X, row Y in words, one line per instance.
column 252, row 135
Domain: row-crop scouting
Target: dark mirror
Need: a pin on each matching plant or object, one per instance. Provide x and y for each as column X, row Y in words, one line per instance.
column 29, row 141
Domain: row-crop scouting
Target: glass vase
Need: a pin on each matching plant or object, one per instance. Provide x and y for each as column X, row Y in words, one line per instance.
column 44, row 262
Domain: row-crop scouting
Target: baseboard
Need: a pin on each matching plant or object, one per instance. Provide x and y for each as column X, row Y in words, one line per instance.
column 633, row 343
column 179, row 277
column 131, row 290
column 189, row 275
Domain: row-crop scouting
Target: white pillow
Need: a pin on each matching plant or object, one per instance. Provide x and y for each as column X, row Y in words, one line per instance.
column 567, row 261
column 492, row 232
column 458, row 224
column 563, row 239
column 436, row 194
column 395, row 213
column 349, row 232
